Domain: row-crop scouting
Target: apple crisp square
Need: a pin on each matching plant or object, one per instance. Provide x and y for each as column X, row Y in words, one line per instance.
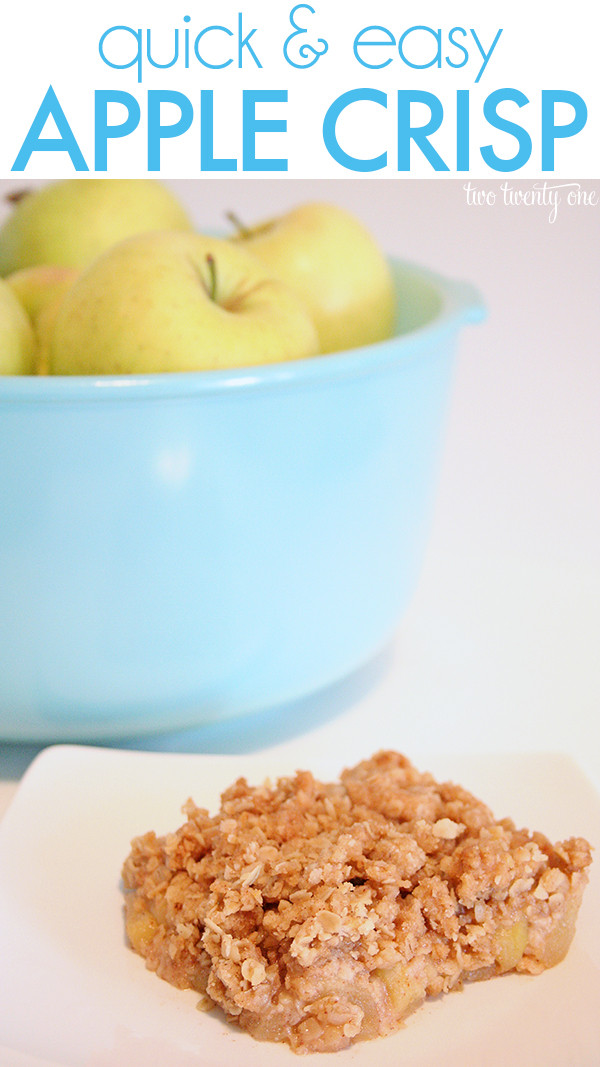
column 320, row 914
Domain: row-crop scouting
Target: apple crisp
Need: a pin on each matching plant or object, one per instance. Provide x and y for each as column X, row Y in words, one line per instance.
column 320, row 914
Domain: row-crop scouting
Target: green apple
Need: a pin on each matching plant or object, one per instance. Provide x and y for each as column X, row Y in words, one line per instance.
column 68, row 223
column 167, row 301
column 327, row 256
column 17, row 339
column 39, row 291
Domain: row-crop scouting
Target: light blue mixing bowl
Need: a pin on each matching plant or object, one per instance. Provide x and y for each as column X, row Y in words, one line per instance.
column 179, row 548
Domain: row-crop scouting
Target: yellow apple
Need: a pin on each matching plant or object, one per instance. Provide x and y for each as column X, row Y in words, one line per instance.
column 70, row 222
column 17, row 339
column 327, row 256
column 167, row 301
column 39, row 291
column 36, row 287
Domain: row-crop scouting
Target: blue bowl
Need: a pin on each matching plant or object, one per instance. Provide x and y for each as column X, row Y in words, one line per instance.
column 179, row 548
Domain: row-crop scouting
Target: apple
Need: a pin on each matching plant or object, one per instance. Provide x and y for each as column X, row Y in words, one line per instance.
column 167, row 301
column 37, row 287
column 68, row 223
column 327, row 256
column 39, row 291
column 17, row 339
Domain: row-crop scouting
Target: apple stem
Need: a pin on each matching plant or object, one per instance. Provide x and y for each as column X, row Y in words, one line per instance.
column 17, row 195
column 235, row 220
column 212, row 273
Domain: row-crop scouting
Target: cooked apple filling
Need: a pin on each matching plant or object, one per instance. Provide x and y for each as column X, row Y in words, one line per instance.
column 322, row 914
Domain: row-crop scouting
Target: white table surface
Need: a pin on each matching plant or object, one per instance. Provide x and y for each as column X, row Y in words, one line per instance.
column 499, row 651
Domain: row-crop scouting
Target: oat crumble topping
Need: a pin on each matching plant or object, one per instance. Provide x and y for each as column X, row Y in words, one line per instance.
column 323, row 913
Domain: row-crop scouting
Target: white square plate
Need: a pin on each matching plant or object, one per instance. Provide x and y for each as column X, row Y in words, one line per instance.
column 73, row 994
